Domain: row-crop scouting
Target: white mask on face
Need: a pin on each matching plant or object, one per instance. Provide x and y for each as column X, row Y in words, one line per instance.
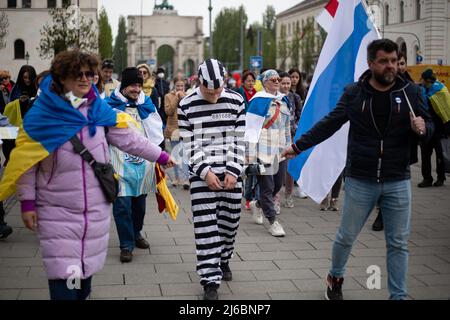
column 161, row 75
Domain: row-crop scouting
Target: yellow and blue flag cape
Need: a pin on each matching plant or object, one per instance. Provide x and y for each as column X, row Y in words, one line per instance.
column 440, row 100
column 50, row 123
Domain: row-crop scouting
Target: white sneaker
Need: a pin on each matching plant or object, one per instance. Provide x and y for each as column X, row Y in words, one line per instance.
column 258, row 216
column 299, row 194
column 290, row 202
column 276, row 229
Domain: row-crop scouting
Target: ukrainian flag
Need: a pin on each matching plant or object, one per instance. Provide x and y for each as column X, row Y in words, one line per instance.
column 50, row 123
column 440, row 100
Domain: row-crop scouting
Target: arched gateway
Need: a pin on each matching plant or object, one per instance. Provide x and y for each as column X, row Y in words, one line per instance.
column 165, row 39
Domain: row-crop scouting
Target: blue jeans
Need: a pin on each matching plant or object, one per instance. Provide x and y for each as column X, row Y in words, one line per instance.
column 394, row 199
column 177, row 151
column 60, row 291
column 129, row 215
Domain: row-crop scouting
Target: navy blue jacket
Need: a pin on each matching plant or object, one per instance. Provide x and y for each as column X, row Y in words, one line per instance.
column 372, row 155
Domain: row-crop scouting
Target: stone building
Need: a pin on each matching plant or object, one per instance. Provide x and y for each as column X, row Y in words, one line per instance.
column 26, row 18
column 421, row 28
column 166, row 39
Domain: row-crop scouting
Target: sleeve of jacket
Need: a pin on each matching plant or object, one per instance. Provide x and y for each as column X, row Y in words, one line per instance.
column 421, row 111
column 130, row 141
column 197, row 158
column 154, row 96
column 326, row 127
column 170, row 104
column 26, row 189
column 236, row 152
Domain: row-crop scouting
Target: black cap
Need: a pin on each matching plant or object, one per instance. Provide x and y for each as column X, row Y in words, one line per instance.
column 131, row 76
column 108, row 64
column 429, row 75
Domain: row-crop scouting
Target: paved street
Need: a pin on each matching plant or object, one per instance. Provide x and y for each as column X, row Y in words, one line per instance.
column 263, row 267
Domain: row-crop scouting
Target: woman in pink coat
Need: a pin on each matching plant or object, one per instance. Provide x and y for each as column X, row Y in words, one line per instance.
column 61, row 197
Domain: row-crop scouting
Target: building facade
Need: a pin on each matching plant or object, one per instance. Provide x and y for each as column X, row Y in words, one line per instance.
column 421, row 28
column 166, row 39
column 26, row 19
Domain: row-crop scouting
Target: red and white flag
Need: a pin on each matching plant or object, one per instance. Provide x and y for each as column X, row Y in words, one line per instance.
column 325, row 19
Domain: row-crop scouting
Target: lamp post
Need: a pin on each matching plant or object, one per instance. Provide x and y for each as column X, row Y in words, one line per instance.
column 27, row 57
column 142, row 30
column 210, row 31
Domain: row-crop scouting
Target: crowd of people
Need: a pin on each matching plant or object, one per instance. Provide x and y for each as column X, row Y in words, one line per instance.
column 224, row 143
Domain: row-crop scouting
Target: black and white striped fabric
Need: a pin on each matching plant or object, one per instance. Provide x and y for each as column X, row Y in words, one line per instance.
column 213, row 134
column 216, row 217
column 211, row 74
column 213, row 137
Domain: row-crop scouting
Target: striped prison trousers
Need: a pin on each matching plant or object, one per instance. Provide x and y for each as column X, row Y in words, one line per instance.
column 216, row 217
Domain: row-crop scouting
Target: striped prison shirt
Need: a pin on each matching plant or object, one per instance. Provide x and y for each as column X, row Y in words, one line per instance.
column 213, row 134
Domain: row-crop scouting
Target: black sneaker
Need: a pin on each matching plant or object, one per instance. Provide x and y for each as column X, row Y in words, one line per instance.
column 210, row 292
column 378, row 223
column 334, row 288
column 5, row 230
column 126, row 255
column 439, row 183
column 226, row 272
column 141, row 243
column 425, row 183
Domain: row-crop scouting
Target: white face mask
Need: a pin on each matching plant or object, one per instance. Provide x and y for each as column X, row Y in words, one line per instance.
column 161, row 75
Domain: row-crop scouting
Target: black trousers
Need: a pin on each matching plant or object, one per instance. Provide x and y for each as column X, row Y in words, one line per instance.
column 426, row 152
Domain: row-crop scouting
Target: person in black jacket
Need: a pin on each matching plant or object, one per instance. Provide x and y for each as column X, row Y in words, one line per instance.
column 402, row 72
column 163, row 88
column 377, row 169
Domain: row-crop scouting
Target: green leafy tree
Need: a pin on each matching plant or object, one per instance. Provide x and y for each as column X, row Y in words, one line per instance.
column 226, row 36
column 295, row 46
column 105, row 38
column 283, row 47
column 68, row 29
column 120, row 47
column 311, row 45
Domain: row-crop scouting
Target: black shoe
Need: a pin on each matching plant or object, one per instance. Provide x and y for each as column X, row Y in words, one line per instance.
column 226, row 272
column 141, row 243
column 5, row 230
column 378, row 223
column 439, row 183
column 425, row 183
column 210, row 292
column 334, row 288
column 126, row 255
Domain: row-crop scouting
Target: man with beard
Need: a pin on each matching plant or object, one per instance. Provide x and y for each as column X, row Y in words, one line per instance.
column 382, row 124
column 136, row 174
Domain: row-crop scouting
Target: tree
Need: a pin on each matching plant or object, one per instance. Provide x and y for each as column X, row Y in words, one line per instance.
column 269, row 37
column 295, row 46
column 283, row 47
column 68, row 30
column 120, row 47
column 4, row 24
column 105, row 37
column 227, row 35
column 269, row 18
column 311, row 45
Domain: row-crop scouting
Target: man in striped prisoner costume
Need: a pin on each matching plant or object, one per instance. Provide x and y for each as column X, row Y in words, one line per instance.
column 212, row 124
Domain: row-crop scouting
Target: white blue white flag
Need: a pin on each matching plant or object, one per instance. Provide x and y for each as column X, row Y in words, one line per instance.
column 342, row 61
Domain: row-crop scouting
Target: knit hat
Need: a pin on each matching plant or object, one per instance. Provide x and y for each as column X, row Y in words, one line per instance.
column 429, row 75
column 160, row 70
column 131, row 76
column 269, row 74
column 211, row 74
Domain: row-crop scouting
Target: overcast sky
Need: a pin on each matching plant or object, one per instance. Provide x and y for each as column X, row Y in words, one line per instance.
column 253, row 8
